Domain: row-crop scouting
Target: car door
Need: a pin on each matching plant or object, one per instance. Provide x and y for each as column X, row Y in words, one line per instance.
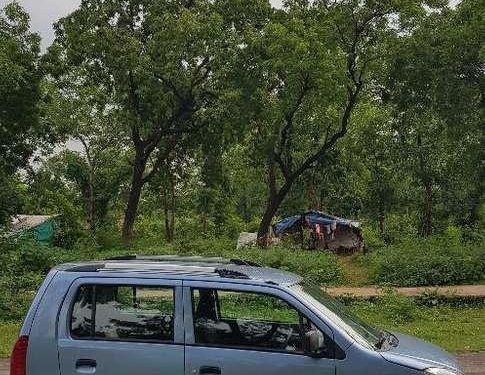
column 234, row 329
column 122, row 326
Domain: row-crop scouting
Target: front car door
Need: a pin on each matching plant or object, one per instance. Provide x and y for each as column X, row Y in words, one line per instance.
column 123, row 327
column 234, row 329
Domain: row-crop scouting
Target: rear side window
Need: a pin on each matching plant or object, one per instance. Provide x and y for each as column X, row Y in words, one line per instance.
column 123, row 312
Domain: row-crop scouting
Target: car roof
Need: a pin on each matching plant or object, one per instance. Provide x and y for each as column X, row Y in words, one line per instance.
column 185, row 268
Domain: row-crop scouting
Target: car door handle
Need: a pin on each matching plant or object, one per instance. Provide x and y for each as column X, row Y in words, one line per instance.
column 86, row 366
column 204, row 370
column 86, row 363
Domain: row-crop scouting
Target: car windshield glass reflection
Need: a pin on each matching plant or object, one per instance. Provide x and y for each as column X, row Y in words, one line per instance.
column 340, row 315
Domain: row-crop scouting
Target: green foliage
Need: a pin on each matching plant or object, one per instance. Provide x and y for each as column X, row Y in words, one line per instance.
column 20, row 129
column 434, row 261
column 372, row 239
column 397, row 308
column 22, row 272
column 10, row 332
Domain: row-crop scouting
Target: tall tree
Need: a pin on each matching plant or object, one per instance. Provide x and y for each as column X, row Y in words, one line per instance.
column 165, row 63
column 436, row 87
column 20, row 129
column 312, row 65
column 82, row 114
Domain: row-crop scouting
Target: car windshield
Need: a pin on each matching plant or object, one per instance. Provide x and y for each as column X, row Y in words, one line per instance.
column 355, row 327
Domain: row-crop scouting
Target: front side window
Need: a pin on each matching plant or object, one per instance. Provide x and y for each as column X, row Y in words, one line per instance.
column 256, row 321
column 354, row 326
column 121, row 312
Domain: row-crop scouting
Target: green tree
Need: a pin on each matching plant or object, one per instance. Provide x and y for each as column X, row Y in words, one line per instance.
column 81, row 114
column 165, row 63
column 312, row 64
column 436, row 88
column 20, row 128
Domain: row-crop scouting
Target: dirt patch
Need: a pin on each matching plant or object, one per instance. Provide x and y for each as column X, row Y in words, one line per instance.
column 458, row 291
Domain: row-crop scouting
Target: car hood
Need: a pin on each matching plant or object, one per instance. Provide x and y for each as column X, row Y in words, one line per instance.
column 419, row 354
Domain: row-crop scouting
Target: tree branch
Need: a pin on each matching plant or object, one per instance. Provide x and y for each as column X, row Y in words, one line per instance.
column 284, row 147
column 135, row 104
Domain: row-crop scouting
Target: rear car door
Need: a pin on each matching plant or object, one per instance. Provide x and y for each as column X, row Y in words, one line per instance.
column 234, row 329
column 123, row 327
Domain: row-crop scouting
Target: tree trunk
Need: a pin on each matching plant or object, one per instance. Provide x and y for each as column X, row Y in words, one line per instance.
column 134, row 196
column 427, row 223
column 428, row 209
column 381, row 219
column 264, row 226
column 168, row 195
column 91, row 204
column 274, row 203
column 166, row 213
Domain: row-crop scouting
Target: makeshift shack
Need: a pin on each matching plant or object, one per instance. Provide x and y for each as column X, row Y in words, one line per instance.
column 318, row 230
column 40, row 227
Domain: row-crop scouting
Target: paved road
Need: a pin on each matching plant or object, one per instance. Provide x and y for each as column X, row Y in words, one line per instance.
column 459, row 290
column 474, row 364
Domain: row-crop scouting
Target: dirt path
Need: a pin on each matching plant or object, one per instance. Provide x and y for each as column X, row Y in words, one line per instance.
column 4, row 367
column 473, row 363
column 458, row 290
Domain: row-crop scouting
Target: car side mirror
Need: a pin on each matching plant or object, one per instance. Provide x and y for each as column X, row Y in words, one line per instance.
column 313, row 345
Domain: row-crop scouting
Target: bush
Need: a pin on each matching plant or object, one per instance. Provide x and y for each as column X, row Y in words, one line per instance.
column 424, row 262
column 318, row 267
column 397, row 308
column 24, row 265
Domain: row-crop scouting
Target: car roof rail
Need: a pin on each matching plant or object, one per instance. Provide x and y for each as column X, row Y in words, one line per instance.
column 184, row 259
column 241, row 262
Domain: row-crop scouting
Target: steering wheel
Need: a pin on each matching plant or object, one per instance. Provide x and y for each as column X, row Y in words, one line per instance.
column 260, row 339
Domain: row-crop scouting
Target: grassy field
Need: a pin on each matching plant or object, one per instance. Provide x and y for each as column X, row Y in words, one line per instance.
column 9, row 332
column 454, row 329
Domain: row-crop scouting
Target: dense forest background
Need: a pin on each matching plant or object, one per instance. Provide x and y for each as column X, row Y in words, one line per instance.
column 201, row 119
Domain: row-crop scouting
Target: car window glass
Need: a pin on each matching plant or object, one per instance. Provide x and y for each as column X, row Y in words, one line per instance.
column 252, row 306
column 82, row 313
column 123, row 313
column 250, row 320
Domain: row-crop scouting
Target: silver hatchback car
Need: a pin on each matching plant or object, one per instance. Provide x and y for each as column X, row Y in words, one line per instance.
column 187, row 316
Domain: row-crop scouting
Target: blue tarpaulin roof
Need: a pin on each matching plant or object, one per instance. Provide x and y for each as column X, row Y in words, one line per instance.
column 312, row 217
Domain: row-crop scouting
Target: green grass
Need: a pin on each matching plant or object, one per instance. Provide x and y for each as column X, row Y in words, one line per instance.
column 356, row 272
column 9, row 333
column 454, row 329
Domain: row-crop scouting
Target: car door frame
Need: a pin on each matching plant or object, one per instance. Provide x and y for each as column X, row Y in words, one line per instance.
column 271, row 290
column 64, row 338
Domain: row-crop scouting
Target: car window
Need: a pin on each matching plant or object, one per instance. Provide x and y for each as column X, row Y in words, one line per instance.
column 250, row 320
column 120, row 312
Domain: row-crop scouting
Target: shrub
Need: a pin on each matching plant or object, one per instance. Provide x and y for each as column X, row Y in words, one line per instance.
column 433, row 261
column 397, row 308
column 318, row 267
column 372, row 239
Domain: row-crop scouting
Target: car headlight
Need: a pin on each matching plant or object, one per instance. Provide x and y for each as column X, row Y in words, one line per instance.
column 441, row 371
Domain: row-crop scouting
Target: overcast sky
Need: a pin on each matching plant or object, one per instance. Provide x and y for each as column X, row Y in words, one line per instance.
column 44, row 13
